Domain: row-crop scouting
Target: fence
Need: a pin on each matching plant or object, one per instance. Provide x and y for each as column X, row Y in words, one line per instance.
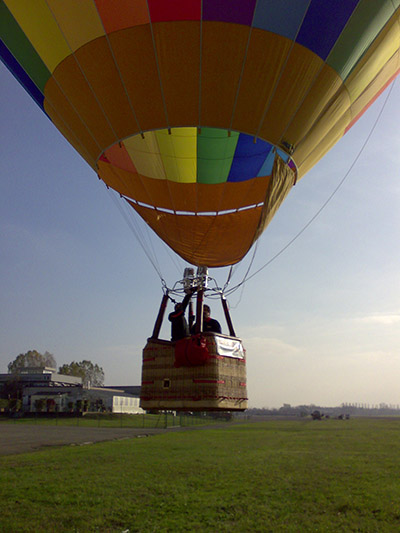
column 160, row 420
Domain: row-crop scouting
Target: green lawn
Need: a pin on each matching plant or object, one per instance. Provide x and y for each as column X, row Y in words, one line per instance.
column 279, row 476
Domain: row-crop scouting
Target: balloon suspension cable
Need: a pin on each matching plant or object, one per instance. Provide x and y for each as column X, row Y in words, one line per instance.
column 164, row 286
column 228, row 279
column 135, row 230
column 246, row 278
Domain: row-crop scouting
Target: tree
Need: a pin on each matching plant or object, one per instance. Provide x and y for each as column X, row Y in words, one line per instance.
column 91, row 374
column 12, row 388
column 316, row 415
column 31, row 359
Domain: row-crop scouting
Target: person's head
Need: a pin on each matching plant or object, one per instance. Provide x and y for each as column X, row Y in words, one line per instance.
column 178, row 306
column 206, row 311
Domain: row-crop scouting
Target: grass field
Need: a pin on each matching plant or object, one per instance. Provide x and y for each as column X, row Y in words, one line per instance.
column 278, row 476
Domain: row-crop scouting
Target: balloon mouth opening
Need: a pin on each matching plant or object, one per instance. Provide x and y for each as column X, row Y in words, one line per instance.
column 189, row 155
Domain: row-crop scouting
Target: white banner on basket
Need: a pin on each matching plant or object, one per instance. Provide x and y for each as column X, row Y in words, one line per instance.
column 229, row 347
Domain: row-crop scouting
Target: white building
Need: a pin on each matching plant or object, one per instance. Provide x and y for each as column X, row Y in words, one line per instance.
column 96, row 399
column 43, row 390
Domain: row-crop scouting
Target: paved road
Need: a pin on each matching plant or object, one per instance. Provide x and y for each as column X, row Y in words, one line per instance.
column 21, row 438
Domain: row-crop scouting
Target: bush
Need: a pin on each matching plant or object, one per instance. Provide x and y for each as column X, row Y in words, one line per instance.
column 40, row 404
column 3, row 405
column 14, row 404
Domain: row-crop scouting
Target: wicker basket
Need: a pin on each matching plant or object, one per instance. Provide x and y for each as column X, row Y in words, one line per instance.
column 218, row 385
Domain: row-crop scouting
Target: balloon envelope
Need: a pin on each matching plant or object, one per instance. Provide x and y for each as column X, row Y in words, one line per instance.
column 202, row 114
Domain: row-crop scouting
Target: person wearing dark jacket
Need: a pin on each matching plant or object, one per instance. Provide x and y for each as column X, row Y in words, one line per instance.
column 210, row 324
column 179, row 325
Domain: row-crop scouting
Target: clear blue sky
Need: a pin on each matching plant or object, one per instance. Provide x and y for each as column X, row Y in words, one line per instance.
column 321, row 323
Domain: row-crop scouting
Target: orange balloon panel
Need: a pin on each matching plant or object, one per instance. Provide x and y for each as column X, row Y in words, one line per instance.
column 202, row 114
column 191, row 235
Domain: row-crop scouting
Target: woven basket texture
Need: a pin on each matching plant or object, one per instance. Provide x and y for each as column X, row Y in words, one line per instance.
column 220, row 384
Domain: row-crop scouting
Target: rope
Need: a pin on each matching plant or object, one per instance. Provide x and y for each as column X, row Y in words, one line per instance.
column 83, row 75
column 228, row 279
column 145, row 241
column 200, row 63
column 243, row 66
column 158, row 67
column 316, row 76
column 135, row 231
column 308, row 224
column 130, row 106
column 118, row 70
column 281, row 73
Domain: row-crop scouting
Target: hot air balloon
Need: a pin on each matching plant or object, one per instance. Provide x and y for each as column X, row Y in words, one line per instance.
column 202, row 114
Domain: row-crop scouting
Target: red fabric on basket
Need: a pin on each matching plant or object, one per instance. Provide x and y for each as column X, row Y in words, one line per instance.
column 191, row 351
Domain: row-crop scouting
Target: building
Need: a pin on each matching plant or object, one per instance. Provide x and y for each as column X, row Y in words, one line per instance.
column 42, row 389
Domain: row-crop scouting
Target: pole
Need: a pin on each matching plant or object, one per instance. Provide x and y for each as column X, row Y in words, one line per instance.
column 191, row 316
column 228, row 316
column 160, row 316
column 199, row 311
column 202, row 279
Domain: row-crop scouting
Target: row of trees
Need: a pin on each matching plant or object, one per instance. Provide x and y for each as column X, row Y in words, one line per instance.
column 31, row 359
column 90, row 373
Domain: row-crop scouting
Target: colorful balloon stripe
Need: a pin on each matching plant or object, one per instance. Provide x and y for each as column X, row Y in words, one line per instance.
column 17, row 49
column 357, row 23
column 15, row 68
column 129, row 13
column 316, row 32
column 249, row 158
column 281, row 18
column 233, row 11
column 161, row 11
column 42, row 30
column 188, row 155
column 361, row 29
column 215, row 151
column 207, row 107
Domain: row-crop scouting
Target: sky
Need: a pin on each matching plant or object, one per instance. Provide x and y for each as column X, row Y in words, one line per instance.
column 320, row 323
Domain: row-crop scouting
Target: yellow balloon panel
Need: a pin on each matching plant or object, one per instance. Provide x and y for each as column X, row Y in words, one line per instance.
column 41, row 28
column 178, row 151
column 67, row 13
column 146, row 155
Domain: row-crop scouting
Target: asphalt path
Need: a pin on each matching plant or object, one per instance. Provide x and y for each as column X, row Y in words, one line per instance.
column 23, row 438
column 18, row 438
